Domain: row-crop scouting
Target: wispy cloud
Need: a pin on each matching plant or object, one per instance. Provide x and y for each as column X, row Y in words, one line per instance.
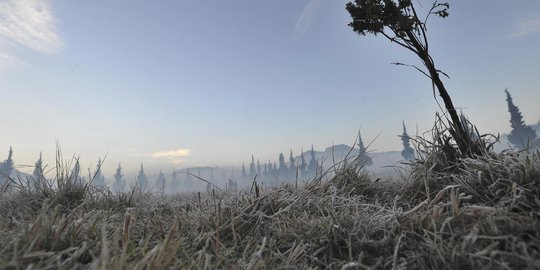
column 526, row 27
column 30, row 24
column 306, row 17
column 171, row 153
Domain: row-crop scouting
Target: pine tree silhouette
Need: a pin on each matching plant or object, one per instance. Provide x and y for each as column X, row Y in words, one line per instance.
column 6, row 168
column 313, row 163
column 303, row 165
column 408, row 152
column 252, row 170
column 9, row 161
column 38, row 175
column 142, row 180
column 161, row 182
column 75, row 175
column 521, row 134
column 283, row 170
column 292, row 166
column 119, row 182
column 99, row 179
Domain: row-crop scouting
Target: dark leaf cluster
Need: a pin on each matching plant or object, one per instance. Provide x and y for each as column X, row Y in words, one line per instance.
column 371, row 16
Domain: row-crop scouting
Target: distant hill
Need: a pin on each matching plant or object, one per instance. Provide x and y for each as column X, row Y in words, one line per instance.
column 383, row 162
column 336, row 152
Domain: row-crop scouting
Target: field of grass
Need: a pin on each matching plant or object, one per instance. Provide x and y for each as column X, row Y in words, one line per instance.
column 481, row 213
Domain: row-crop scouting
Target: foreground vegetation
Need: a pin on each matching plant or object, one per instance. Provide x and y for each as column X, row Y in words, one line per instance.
column 459, row 206
column 481, row 213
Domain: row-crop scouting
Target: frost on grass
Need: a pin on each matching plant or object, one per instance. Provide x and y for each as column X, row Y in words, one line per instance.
column 481, row 213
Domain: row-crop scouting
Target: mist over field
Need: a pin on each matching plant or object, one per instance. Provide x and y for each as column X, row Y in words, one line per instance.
column 180, row 178
column 129, row 81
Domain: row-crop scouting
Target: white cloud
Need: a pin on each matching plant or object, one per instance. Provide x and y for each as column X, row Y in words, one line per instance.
column 30, row 24
column 171, row 153
column 306, row 17
column 526, row 27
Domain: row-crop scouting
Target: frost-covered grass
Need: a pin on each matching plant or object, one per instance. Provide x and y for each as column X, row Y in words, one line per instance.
column 481, row 213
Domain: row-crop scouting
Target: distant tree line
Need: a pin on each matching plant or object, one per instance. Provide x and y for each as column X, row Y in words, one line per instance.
column 271, row 173
column 274, row 173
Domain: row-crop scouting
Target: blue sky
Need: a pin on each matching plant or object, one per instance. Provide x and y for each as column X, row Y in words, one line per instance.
column 182, row 83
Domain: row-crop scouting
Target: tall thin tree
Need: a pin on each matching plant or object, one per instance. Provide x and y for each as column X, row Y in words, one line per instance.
column 161, row 182
column 6, row 168
column 142, row 180
column 313, row 163
column 75, row 175
column 521, row 134
column 398, row 21
column 38, row 174
column 252, row 170
column 408, row 152
column 283, row 170
column 98, row 179
column 119, row 182
column 303, row 165
column 292, row 166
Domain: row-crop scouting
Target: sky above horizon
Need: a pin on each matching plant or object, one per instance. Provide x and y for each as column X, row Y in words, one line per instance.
column 196, row 83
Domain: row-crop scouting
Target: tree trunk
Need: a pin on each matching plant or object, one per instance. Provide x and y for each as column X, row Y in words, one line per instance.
column 461, row 137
